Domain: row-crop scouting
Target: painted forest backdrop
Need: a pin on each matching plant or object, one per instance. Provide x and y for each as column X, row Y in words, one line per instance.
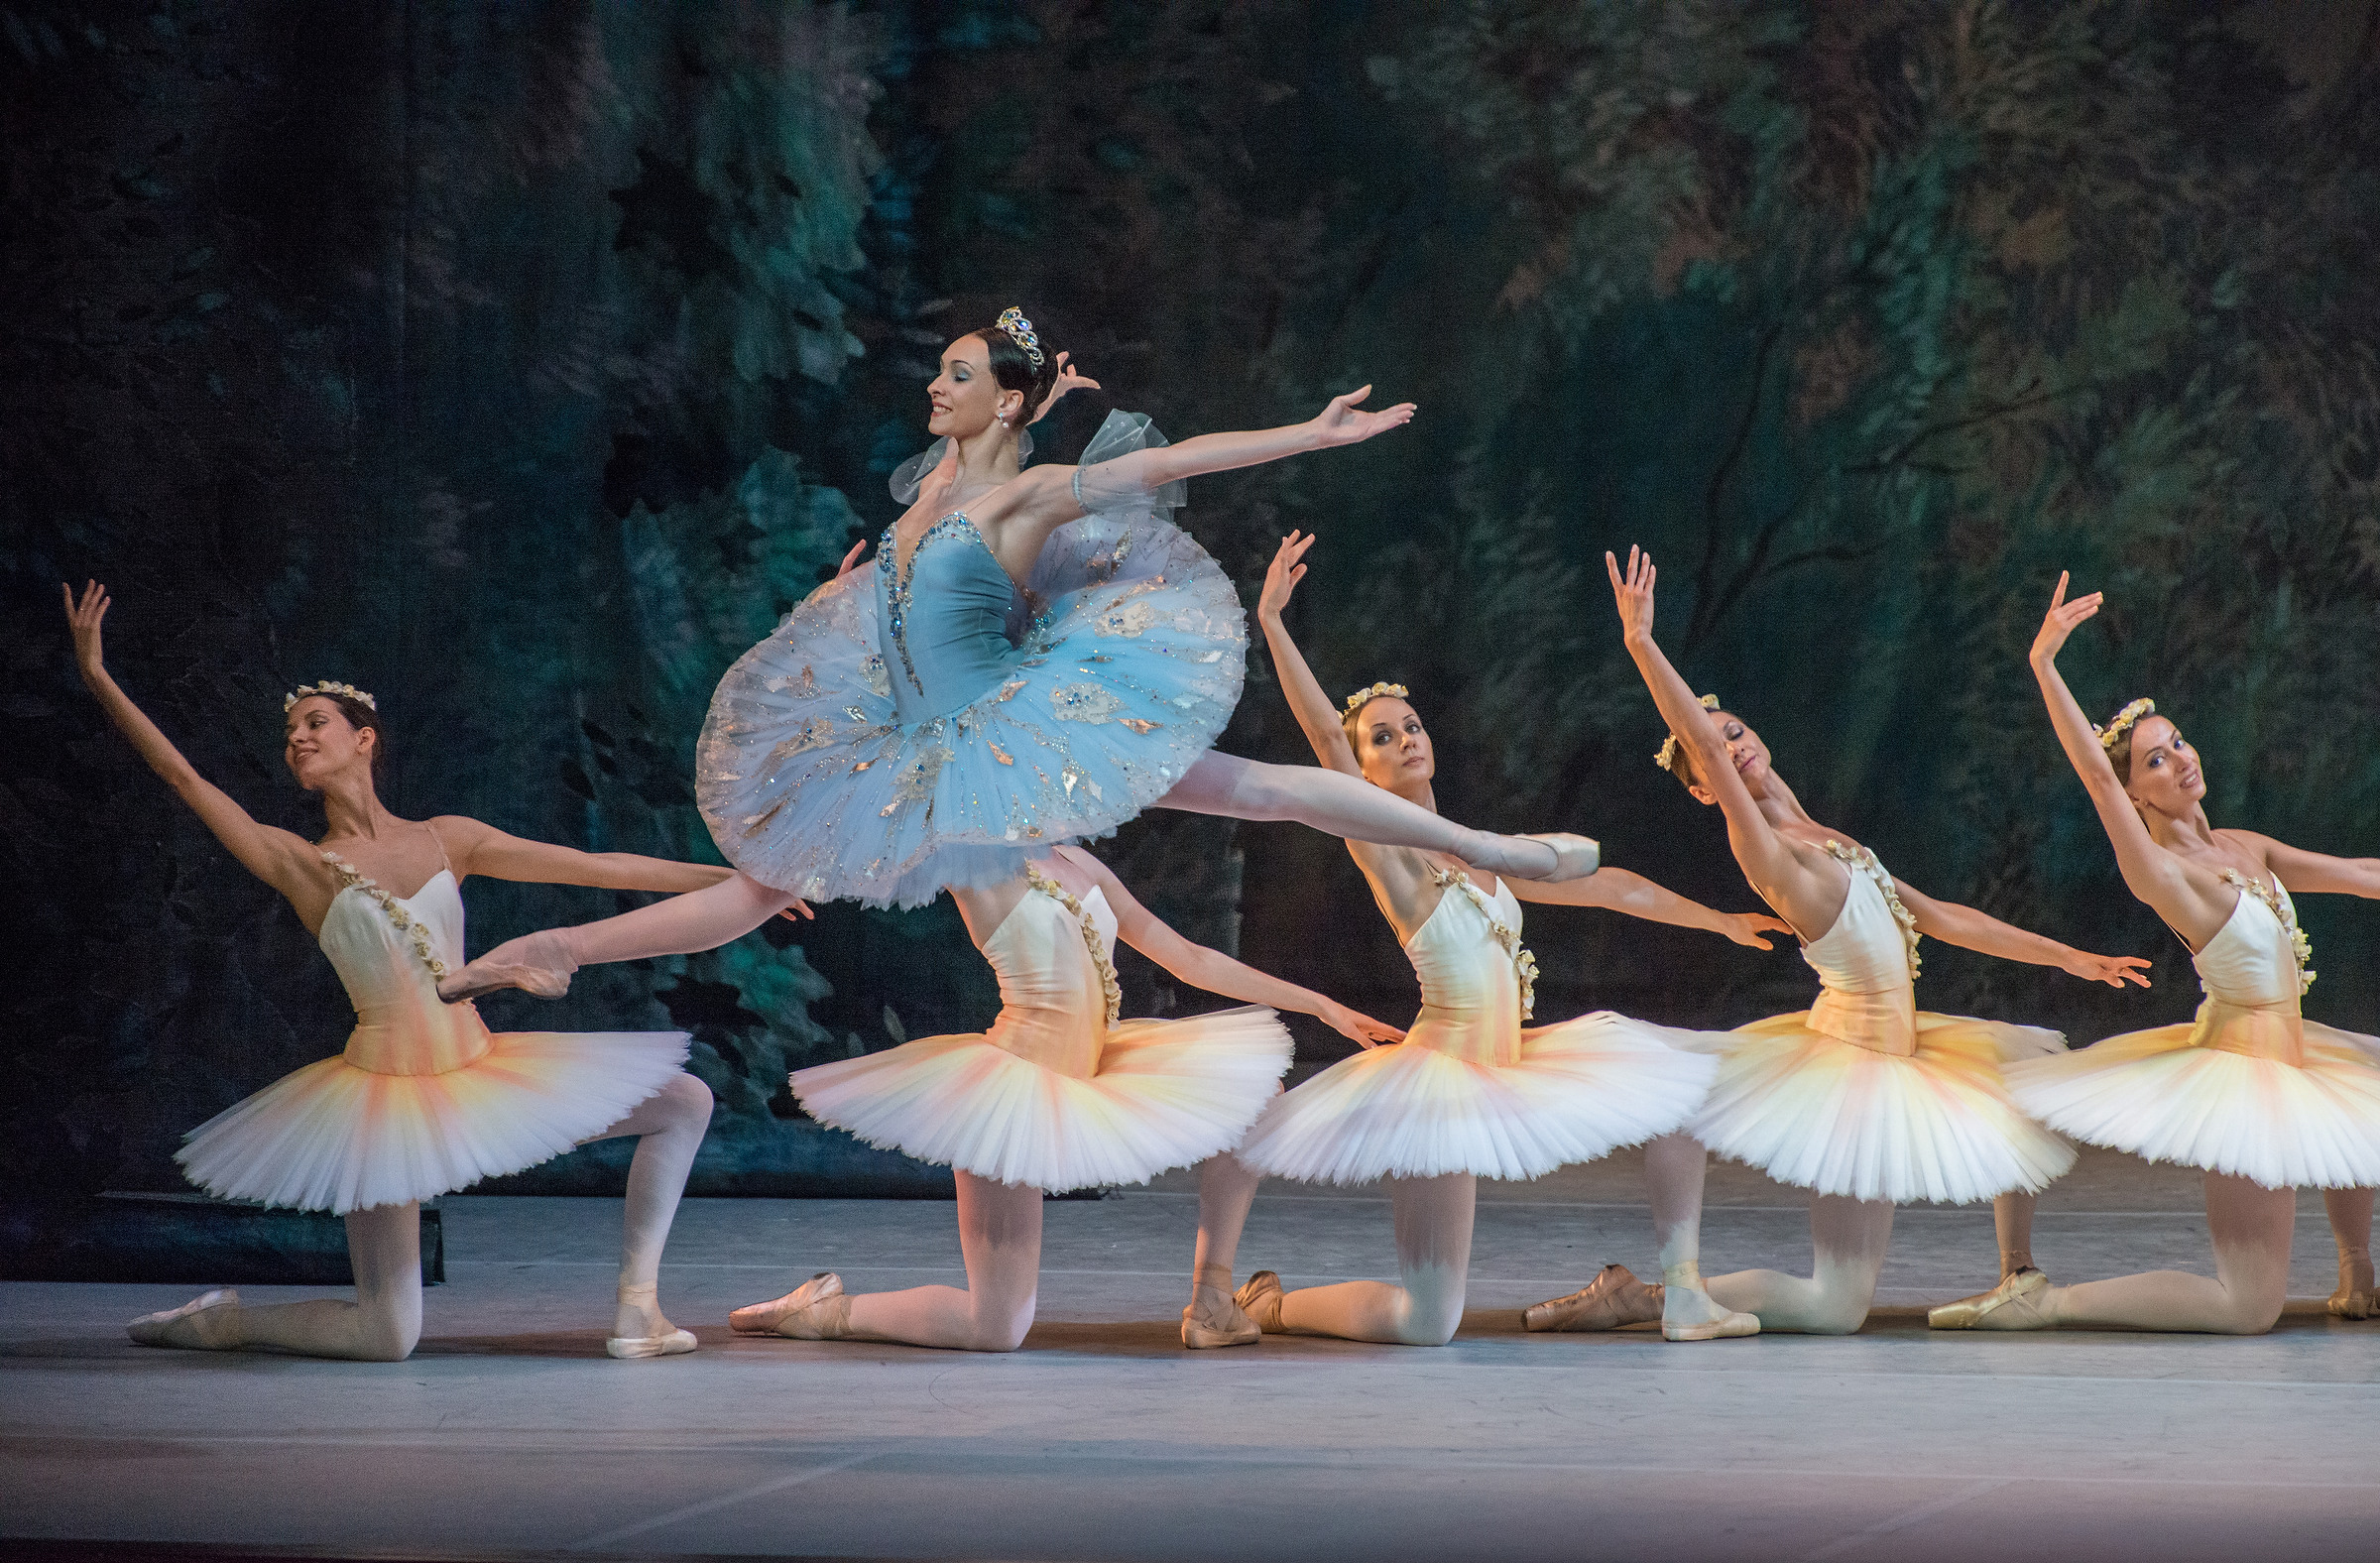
column 524, row 363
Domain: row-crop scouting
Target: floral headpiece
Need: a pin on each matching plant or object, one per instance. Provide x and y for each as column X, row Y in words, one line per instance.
column 2123, row 720
column 336, row 692
column 1016, row 328
column 1357, row 701
column 1667, row 759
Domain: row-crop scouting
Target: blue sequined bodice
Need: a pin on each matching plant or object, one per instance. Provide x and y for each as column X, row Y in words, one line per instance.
column 945, row 620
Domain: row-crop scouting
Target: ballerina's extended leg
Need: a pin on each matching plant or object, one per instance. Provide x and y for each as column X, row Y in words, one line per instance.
column 701, row 919
column 1847, row 1238
column 1433, row 1254
column 380, row 1325
column 1000, row 1237
column 1353, row 809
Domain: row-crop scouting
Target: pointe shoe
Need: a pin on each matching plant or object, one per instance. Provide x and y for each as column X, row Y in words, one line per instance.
column 1235, row 1329
column 1260, row 1301
column 2354, row 1301
column 635, row 1348
column 2014, row 1304
column 783, row 1316
column 1614, row 1298
column 535, row 964
column 189, row 1326
column 1728, row 1326
column 1575, row 857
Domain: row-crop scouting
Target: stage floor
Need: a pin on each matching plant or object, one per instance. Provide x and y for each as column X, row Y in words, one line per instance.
column 510, row 1432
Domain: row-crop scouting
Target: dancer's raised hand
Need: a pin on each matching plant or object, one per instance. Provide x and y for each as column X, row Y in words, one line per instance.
column 1747, row 927
column 851, row 561
column 2113, row 970
column 2060, row 621
column 1634, row 593
column 1283, row 575
column 1346, row 423
column 1354, row 1024
column 83, row 618
column 1069, row 379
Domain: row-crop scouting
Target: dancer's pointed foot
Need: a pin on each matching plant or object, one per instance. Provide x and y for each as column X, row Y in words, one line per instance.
column 1575, row 857
column 208, row 1322
column 1213, row 1319
column 1260, row 1301
column 536, row 963
column 2355, row 1297
column 1615, row 1297
column 2017, row 1303
column 806, row 1313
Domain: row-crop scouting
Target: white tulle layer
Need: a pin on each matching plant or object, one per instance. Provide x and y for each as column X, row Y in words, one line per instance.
column 2312, row 1124
column 1939, row 1126
column 1166, row 1094
column 1580, row 1090
column 332, row 1137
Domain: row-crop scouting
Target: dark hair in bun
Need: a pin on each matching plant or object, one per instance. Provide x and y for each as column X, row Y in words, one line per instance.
column 1014, row 368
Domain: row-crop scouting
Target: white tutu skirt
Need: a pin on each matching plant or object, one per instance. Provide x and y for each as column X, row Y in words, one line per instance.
column 337, row 1138
column 1166, row 1094
column 1827, row 1116
column 1578, row 1090
column 2309, row 1125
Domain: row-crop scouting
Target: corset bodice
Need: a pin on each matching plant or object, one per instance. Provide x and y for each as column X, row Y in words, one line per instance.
column 1053, row 1007
column 402, row 1026
column 945, row 621
column 1869, row 993
column 1470, row 986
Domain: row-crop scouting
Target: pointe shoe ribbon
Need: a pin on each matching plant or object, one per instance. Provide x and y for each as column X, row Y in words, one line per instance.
column 784, row 1315
column 635, row 1348
column 2353, row 1301
column 1615, row 1297
column 1235, row 1329
column 1260, row 1301
column 1575, row 857
column 2014, row 1304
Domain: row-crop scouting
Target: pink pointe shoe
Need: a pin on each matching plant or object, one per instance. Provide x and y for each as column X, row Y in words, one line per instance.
column 790, row 1314
column 208, row 1322
column 537, row 964
column 1615, row 1297
column 1575, row 857
column 1259, row 1301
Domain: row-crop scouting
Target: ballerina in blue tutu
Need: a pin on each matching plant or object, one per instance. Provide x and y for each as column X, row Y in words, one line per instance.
column 1033, row 658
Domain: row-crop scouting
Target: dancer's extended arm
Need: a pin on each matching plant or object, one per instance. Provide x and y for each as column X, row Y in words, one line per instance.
column 2315, row 873
column 1215, row 972
column 1970, row 930
column 1617, row 890
column 1775, row 870
column 2194, row 903
column 1316, row 717
column 281, row 858
column 478, row 848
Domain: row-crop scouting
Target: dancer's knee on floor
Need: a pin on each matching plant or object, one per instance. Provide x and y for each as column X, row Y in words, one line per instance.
column 1433, row 1311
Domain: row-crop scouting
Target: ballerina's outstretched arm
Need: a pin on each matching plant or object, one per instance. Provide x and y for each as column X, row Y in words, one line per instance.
column 1970, row 930
column 2194, row 903
column 1215, row 972
column 478, row 848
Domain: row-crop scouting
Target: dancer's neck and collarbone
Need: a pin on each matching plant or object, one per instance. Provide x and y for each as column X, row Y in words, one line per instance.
column 2259, row 1098
column 482, row 1104
column 1842, row 906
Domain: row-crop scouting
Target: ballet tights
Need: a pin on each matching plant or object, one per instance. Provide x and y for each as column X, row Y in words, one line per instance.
column 1848, row 1239
column 1433, row 1255
column 1227, row 1187
column 1344, row 806
column 2252, row 1226
column 2012, row 1224
column 383, row 1321
column 1000, row 1237
column 687, row 924
column 1673, row 1174
column 2350, row 1213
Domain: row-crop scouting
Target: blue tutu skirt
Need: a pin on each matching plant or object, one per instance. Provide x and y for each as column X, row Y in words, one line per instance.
column 1131, row 646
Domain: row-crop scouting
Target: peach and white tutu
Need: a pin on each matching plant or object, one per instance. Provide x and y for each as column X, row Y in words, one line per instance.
column 1865, row 1095
column 1470, row 1089
column 2249, row 1088
column 1056, row 1095
column 426, row 1099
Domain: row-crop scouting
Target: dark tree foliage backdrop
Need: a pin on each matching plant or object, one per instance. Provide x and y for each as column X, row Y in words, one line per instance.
column 524, row 363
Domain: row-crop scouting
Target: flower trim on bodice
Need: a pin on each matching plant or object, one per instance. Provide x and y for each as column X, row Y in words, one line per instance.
column 1864, row 860
column 2283, row 913
column 1091, row 939
column 897, row 594
column 412, row 927
column 1524, row 964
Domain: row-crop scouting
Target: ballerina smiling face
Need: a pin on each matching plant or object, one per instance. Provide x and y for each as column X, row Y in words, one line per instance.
column 1745, row 751
column 986, row 382
column 1391, row 745
column 320, row 741
column 2159, row 767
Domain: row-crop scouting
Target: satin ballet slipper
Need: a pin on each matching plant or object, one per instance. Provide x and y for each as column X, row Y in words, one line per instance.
column 670, row 1341
column 538, row 964
column 786, row 1314
column 1684, row 1284
column 2355, row 1297
column 1260, row 1301
column 1614, row 1298
column 1575, row 857
column 1204, row 1330
column 208, row 1322
column 2014, row 1304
